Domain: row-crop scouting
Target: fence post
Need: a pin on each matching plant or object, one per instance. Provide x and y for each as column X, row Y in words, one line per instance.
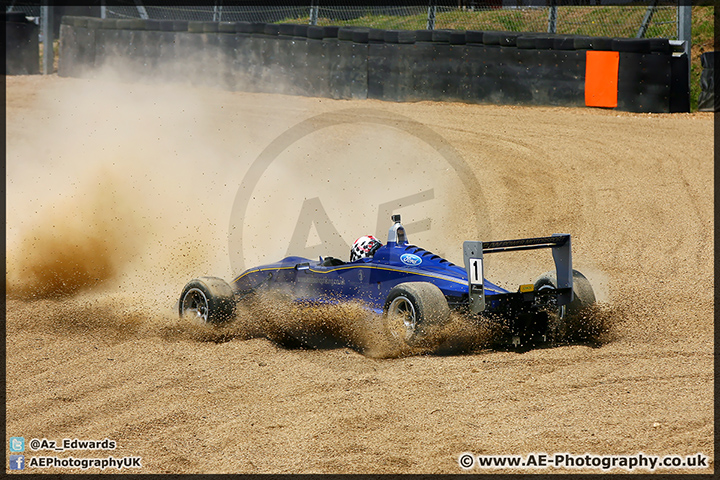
column 552, row 17
column 647, row 19
column 141, row 10
column 684, row 24
column 47, row 32
column 684, row 29
column 217, row 11
column 313, row 13
column 432, row 10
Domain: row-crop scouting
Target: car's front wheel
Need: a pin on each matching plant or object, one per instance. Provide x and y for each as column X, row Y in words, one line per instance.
column 208, row 299
column 413, row 309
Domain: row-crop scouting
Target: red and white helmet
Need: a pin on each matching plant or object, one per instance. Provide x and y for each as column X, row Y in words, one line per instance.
column 364, row 247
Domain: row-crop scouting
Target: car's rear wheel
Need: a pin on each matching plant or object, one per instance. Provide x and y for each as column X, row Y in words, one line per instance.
column 413, row 309
column 208, row 299
column 583, row 296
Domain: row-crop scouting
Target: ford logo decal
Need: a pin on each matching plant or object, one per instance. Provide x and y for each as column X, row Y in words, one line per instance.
column 410, row 259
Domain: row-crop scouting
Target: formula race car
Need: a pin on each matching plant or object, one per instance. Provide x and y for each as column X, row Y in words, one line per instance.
column 414, row 289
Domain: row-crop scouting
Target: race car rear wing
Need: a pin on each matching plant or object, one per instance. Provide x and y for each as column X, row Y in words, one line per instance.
column 473, row 252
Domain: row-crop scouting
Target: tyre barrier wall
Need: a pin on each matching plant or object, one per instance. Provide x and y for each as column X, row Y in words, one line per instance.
column 637, row 75
column 22, row 52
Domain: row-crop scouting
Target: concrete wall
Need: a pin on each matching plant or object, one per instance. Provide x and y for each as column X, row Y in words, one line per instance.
column 474, row 67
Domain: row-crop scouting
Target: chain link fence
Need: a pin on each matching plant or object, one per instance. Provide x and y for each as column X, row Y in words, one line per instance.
column 654, row 20
column 30, row 10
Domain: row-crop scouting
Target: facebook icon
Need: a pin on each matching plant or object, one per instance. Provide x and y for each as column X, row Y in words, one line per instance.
column 17, row 462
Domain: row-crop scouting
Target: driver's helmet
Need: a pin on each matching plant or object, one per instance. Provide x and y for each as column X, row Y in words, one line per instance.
column 364, row 247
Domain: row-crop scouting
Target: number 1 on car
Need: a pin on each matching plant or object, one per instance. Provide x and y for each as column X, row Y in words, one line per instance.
column 476, row 271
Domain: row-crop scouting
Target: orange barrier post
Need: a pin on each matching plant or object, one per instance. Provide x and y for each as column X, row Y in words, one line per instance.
column 601, row 78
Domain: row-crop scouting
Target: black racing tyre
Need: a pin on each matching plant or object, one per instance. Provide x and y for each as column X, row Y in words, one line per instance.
column 544, row 42
column 195, row 26
column 360, row 36
column 583, row 297
column 166, row 25
column 525, row 42
column 441, row 36
column 492, row 37
column 210, row 27
column 271, row 29
column 209, row 299
column 583, row 43
column 226, row 27
column 94, row 23
column 108, row 24
column 631, row 45
column 508, row 39
column 399, row 36
column 406, row 37
column 180, row 25
column 423, row 35
column 413, row 309
column 474, row 36
column 458, row 38
column 376, row 35
column 315, row 32
column 582, row 290
column 602, row 43
column 244, row 27
column 660, row 45
column 345, row 33
column 301, row 31
column 152, row 25
column 330, row 31
column 564, row 43
column 257, row 27
column 124, row 23
column 287, row 29
column 135, row 24
column 391, row 36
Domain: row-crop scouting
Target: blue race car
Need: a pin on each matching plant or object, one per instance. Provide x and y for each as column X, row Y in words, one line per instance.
column 414, row 289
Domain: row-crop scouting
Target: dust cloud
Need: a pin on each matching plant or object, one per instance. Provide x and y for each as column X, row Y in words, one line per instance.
column 125, row 192
column 76, row 245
